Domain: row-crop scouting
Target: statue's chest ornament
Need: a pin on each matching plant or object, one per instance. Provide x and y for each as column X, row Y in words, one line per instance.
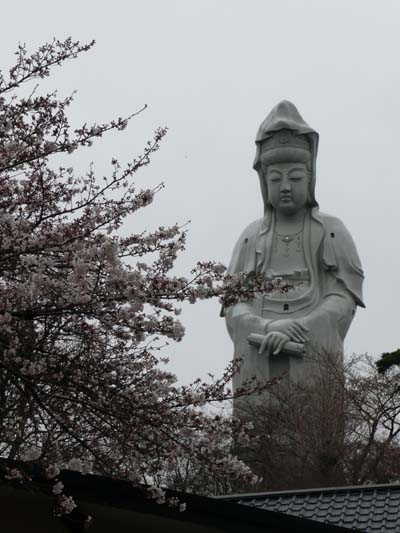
column 288, row 244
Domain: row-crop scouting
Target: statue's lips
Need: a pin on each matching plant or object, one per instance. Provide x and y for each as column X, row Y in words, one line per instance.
column 286, row 197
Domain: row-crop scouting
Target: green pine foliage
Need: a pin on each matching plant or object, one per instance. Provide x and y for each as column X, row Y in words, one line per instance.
column 387, row 360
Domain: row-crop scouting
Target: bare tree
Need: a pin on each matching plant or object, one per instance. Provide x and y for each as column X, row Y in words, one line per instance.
column 341, row 428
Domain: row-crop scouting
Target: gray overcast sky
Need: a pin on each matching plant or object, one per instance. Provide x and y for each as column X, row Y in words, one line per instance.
column 211, row 71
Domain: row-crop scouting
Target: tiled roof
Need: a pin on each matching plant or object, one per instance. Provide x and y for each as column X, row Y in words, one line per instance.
column 368, row 508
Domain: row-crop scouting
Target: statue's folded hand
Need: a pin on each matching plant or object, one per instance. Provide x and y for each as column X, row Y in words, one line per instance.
column 292, row 328
column 273, row 343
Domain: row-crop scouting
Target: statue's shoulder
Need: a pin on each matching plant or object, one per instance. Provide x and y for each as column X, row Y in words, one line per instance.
column 252, row 229
column 333, row 224
column 243, row 252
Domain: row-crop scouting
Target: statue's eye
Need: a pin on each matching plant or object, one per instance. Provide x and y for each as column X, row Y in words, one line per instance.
column 275, row 179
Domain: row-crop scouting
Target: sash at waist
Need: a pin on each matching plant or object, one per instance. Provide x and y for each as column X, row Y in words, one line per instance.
column 286, row 306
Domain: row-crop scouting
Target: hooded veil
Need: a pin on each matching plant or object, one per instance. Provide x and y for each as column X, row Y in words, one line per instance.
column 285, row 116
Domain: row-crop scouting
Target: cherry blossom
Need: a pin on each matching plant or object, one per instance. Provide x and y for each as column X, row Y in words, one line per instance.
column 85, row 310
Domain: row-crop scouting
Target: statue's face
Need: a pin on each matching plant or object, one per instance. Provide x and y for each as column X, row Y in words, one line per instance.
column 288, row 186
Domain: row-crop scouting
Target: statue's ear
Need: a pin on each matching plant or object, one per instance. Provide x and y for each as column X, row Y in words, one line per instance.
column 309, row 198
column 263, row 169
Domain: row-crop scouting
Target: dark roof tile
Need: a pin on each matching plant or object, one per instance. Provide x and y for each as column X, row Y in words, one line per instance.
column 366, row 508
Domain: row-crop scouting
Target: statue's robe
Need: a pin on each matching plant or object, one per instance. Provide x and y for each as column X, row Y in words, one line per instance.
column 326, row 308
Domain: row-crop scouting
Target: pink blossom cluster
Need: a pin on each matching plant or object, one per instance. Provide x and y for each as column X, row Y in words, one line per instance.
column 83, row 310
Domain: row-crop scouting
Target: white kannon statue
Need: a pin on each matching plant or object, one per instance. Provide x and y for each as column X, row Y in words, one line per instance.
column 281, row 333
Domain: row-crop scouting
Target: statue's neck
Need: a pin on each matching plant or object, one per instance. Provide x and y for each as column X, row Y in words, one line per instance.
column 289, row 222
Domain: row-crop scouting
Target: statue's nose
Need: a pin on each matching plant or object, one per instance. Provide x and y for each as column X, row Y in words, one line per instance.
column 285, row 185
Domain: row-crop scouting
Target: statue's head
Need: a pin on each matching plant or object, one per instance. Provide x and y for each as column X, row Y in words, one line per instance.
column 286, row 169
column 285, row 159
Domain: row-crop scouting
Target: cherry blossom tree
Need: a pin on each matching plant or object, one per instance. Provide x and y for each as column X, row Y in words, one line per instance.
column 84, row 310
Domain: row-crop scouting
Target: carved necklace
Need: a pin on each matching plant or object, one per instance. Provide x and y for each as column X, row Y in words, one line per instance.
column 288, row 237
column 292, row 243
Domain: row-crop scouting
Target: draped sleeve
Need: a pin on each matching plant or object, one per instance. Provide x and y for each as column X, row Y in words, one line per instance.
column 339, row 255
